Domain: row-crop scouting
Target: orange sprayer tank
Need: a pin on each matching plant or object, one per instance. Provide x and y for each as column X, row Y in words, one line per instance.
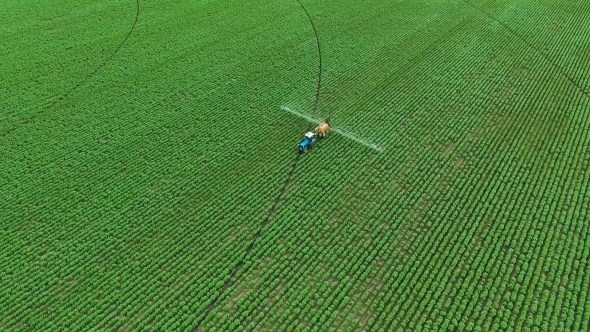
column 322, row 128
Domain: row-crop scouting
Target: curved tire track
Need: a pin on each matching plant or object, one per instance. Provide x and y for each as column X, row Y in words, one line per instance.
column 271, row 213
column 317, row 40
column 80, row 84
column 554, row 64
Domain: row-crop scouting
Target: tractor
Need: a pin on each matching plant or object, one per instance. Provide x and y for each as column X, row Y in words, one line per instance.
column 312, row 137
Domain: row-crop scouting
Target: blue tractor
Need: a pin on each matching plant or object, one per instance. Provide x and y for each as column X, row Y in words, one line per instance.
column 308, row 142
column 312, row 137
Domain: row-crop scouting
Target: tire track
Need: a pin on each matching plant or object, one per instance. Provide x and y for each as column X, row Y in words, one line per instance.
column 52, row 105
column 238, row 267
column 554, row 64
column 317, row 40
column 270, row 216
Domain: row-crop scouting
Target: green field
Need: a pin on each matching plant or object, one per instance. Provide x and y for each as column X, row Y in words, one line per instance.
column 149, row 178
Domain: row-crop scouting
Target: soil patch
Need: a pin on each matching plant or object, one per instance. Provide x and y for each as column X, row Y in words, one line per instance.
column 449, row 148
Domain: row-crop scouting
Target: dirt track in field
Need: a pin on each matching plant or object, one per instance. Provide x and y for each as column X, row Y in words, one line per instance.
column 80, row 84
column 271, row 213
